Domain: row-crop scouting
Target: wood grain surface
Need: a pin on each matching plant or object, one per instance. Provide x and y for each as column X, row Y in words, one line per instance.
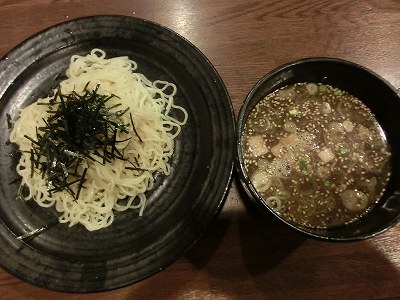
column 246, row 254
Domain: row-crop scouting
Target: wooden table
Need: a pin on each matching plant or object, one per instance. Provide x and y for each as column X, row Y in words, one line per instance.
column 245, row 254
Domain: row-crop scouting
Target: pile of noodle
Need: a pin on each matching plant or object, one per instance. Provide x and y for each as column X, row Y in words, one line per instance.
column 109, row 187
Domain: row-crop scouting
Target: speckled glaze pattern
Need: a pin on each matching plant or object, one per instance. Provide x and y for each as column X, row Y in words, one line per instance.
column 180, row 206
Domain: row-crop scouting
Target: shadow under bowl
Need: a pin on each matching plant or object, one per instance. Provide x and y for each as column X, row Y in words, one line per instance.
column 377, row 94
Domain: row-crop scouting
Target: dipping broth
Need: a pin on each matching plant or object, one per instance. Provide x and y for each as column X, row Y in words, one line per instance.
column 316, row 155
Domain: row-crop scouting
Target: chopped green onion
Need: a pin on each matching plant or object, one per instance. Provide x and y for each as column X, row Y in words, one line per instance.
column 327, row 183
column 337, row 92
column 322, row 88
column 373, row 181
column 341, row 150
column 303, row 165
column 309, row 182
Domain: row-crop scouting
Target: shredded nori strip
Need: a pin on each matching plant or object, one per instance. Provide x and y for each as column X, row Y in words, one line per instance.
column 79, row 127
column 9, row 123
column 134, row 129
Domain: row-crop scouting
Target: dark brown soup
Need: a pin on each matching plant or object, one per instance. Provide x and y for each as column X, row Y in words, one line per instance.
column 316, row 155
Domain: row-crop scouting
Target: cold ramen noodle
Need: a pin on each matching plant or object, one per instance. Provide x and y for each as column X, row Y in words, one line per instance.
column 95, row 144
column 316, row 155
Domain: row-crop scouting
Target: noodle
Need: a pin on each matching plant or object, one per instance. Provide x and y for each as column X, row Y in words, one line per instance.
column 111, row 186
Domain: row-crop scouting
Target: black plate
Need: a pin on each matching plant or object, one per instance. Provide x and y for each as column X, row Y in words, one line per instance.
column 180, row 207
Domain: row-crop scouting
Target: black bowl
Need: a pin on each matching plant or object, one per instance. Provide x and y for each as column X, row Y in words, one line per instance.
column 377, row 94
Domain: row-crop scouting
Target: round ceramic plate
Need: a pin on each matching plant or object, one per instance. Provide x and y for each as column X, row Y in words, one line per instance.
column 180, row 206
